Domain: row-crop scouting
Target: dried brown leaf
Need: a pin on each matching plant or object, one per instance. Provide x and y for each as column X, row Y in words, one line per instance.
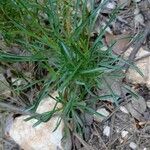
column 121, row 42
column 137, row 107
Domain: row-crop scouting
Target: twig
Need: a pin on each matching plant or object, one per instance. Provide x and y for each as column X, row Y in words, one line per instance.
column 112, row 125
column 117, row 108
column 111, row 129
column 117, row 137
column 138, row 142
column 86, row 146
column 125, row 142
column 100, row 138
column 15, row 109
column 136, row 49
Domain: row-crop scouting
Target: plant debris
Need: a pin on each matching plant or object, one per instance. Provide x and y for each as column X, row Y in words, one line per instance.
column 116, row 116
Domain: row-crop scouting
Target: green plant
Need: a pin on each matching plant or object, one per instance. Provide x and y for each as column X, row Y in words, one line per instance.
column 56, row 35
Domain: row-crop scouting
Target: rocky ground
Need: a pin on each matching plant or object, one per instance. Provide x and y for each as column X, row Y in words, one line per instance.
column 127, row 126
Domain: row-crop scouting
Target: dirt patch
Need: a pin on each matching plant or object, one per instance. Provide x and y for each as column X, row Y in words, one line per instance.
column 120, row 131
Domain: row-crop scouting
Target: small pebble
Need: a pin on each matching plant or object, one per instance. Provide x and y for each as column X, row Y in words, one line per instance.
column 108, row 29
column 104, row 114
column 136, row 11
column 103, row 111
column 111, row 5
column 133, row 145
column 89, row 6
column 123, row 109
column 106, row 131
column 104, row 48
column 138, row 18
column 137, row 1
column 121, row 140
column 124, row 134
column 16, row 81
column 148, row 103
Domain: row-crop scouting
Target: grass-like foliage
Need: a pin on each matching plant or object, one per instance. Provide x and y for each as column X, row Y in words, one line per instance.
column 56, row 35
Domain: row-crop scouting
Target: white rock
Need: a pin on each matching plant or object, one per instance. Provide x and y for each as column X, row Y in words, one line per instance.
column 47, row 104
column 133, row 145
column 104, row 48
column 98, row 26
column 90, row 5
column 108, row 30
column 148, row 104
column 121, row 140
column 124, row 134
column 103, row 111
column 117, row 130
column 123, row 109
column 144, row 148
column 104, row 114
column 137, row 1
column 143, row 64
column 106, row 131
column 139, row 20
column 16, row 81
column 41, row 136
column 111, row 5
